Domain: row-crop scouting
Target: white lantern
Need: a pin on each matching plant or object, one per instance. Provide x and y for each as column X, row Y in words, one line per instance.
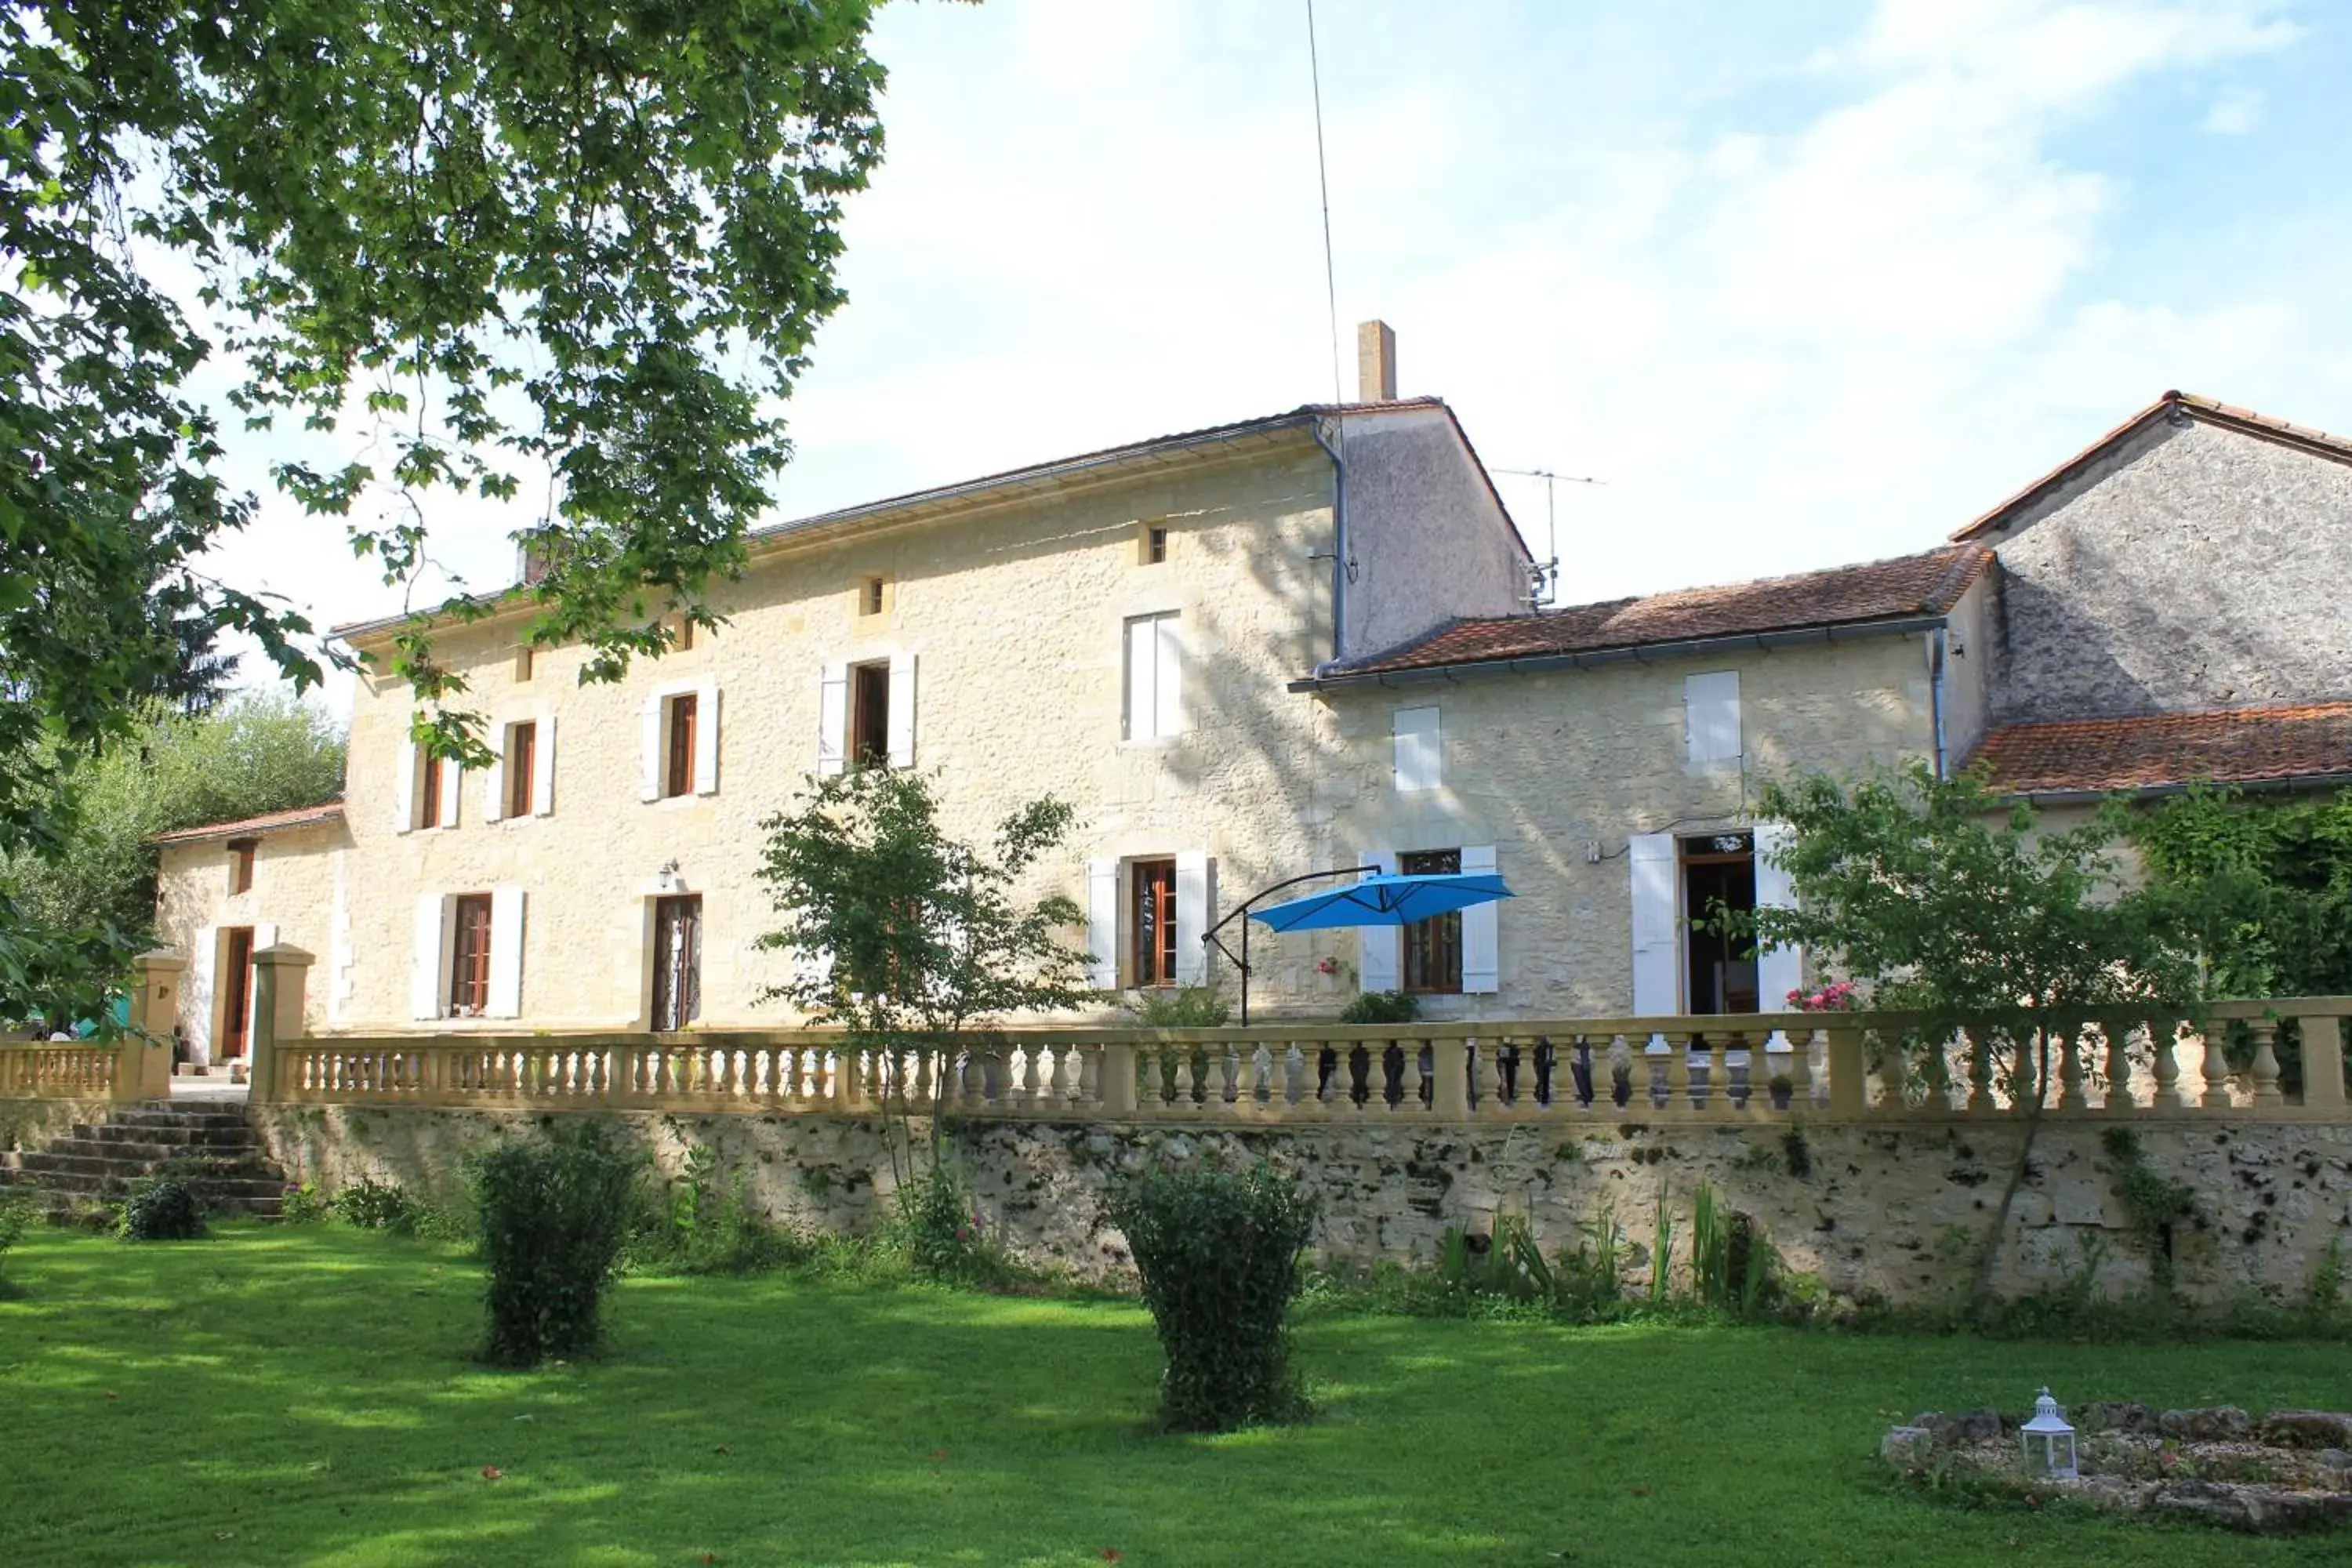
column 2049, row 1442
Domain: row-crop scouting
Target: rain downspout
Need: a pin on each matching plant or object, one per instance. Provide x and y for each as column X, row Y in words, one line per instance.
column 1935, row 692
column 1341, row 554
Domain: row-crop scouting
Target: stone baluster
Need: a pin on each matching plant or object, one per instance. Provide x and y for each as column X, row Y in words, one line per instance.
column 2266, row 1063
column 2071, row 1046
column 1057, row 1083
column 1090, row 1077
column 1707, row 1082
column 2323, row 1060
column 1183, row 1079
column 1678, row 1079
column 2118, row 1100
column 2217, row 1068
column 1893, row 1072
column 1980, row 1084
column 1449, row 1097
column 1030, row 1085
column 2163, row 1044
column 1410, row 1081
column 1251, row 1079
column 1801, row 1069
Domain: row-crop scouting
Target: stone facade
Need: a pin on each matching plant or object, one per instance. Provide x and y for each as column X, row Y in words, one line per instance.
column 300, row 894
column 2192, row 566
column 1893, row 1211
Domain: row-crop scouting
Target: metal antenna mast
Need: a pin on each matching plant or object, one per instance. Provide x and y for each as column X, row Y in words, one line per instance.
column 1323, row 180
column 1547, row 570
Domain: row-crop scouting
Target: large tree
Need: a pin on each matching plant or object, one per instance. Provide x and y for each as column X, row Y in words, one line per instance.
column 587, row 239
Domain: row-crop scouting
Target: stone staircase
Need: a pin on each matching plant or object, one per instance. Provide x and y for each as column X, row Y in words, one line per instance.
column 214, row 1148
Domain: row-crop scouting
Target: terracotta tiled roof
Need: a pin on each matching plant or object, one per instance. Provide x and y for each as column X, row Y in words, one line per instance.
column 246, row 826
column 2238, row 745
column 2174, row 405
column 1843, row 596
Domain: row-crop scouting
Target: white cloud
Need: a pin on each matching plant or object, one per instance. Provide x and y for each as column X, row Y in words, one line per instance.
column 1798, row 301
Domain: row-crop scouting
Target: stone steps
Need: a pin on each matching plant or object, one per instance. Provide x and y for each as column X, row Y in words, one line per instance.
column 214, row 1151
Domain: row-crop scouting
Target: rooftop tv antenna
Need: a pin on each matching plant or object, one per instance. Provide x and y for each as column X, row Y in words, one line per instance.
column 1323, row 180
column 1546, row 572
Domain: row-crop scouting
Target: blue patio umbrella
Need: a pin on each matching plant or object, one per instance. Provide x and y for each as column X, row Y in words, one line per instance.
column 1385, row 901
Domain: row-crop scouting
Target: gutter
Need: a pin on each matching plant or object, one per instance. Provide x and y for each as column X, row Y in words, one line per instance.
column 1339, row 554
column 1935, row 640
column 1637, row 653
column 2158, row 792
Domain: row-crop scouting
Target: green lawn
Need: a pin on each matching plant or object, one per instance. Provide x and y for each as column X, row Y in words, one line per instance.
column 304, row 1395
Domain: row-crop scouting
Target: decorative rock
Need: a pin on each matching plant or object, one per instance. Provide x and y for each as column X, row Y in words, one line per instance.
column 2213, row 1424
column 2114, row 1416
column 2307, row 1429
column 1909, row 1448
column 1969, row 1427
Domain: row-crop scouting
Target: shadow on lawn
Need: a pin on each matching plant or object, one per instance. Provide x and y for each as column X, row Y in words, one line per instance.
column 284, row 1395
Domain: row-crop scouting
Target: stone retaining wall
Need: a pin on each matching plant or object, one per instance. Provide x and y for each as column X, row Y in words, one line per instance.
column 1891, row 1210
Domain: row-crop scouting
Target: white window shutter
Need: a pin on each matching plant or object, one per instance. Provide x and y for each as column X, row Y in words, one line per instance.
column 453, row 779
column 1142, row 640
column 1102, row 924
column 1379, row 950
column 426, row 959
column 1657, row 936
column 1196, row 903
column 494, row 777
column 1167, row 678
column 1778, row 970
column 833, row 719
column 506, row 954
column 265, row 934
column 1482, row 965
column 403, row 789
column 1711, row 716
column 1418, row 758
column 902, row 710
column 196, row 1006
column 706, row 738
column 542, row 775
column 650, row 747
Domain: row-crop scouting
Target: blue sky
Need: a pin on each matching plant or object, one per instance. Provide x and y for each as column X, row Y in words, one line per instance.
column 1803, row 283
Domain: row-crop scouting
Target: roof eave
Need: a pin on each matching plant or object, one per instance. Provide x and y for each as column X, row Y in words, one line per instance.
column 1630, row 653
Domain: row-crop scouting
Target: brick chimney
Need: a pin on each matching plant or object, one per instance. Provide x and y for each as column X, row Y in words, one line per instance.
column 1375, row 363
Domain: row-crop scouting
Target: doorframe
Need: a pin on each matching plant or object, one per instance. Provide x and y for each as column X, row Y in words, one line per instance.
column 232, row 979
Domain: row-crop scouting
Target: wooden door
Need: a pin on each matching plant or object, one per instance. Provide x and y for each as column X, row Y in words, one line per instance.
column 237, row 992
column 677, row 961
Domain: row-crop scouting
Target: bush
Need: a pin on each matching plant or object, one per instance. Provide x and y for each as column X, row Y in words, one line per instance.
column 1382, row 1007
column 15, row 1214
column 303, row 1203
column 709, row 1227
column 554, row 1211
column 1218, row 1254
column 371, row 1204
column 945, row 1238
column 1186, row 1007
column 165, row 1208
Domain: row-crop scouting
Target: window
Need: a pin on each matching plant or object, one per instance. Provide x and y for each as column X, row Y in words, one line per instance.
column 429, row 793
column 1152, row 545
column 869, row 715
column 240, row 865
column 677, row 961
column 469, row 960
column 1155, row 705
column 522, row 762
column 1151, row 922
column 678, row 777
column 1711, row 717
column 525, row 660
column 874, row 596
column 1433, row 948
column 1719, row 868
column 682, row 633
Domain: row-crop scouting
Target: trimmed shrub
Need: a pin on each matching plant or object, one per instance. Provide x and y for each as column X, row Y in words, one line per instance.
column 1382, row 1007
column 165, row 1208
column 1218, row 1254
column 371, row 1204
column 1185, row 1007
column 555, row 1211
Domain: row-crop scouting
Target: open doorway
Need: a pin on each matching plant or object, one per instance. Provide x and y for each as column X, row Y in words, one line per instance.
column 677, row 961
column 1720, row 975
column 235, row 973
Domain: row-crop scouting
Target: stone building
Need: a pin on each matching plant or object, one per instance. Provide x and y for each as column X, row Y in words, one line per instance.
column 1291, row 644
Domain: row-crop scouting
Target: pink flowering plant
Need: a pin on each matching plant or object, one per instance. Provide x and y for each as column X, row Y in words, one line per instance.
column 1837, row 996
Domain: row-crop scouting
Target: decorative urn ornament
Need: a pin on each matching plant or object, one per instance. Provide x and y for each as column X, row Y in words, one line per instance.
column 2049, row 1442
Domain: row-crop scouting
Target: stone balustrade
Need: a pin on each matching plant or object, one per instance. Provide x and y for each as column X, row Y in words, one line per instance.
column 134, row 1067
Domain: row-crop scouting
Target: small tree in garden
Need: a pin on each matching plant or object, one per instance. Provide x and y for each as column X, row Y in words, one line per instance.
column 1938, row 898
column 916, row 944
column 1219, row 1252
column 555, row 1211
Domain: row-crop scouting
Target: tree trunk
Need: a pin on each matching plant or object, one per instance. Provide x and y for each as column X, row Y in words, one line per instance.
column 1989, row 1258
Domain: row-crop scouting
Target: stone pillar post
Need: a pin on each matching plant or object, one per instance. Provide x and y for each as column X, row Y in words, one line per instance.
column 1449, row 1097
column 280, row 974
column 155, row 1008
column 1848, row 1093
column 1118, row 1078
column 2323, row 1061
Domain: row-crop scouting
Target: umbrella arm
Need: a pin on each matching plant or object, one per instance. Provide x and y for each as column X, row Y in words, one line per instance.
column 1240, row 913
